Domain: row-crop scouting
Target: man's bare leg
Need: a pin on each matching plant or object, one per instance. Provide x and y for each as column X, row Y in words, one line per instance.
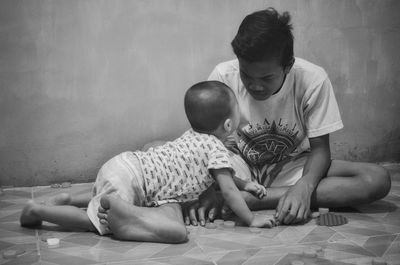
column 129, row 222
column 81, row 200
column 64, row 215
column 347, row 184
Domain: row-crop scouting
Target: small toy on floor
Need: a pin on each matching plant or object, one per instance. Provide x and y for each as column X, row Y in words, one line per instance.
column 53, row 242
column 13, row 253
column 323, row 210
column 218, row 221
column 331, row 219
column 210, row 225
column 63, row 185
column 229, row 224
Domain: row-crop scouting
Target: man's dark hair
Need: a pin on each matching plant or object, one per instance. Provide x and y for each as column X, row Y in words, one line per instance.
column 207, row 105
column 265, row 35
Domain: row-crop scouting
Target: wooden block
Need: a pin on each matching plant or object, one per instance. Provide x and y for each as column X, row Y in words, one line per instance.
column 210, row 225
column 323, row 210
column 315, row 215
column 218, row 221
column 53, row 242
column 229, row 224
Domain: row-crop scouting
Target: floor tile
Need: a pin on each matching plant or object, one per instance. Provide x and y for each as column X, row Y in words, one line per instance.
column 373, row 231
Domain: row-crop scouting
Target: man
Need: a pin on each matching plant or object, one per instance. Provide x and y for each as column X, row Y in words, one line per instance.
column 288, row 110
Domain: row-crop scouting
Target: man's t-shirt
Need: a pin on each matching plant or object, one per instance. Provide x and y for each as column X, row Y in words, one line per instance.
column 179, row 170
column 278, row 128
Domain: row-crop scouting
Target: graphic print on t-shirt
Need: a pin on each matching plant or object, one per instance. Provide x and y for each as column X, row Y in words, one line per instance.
column 267, row 143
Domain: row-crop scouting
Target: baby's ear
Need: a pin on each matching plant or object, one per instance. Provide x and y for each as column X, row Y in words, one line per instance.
column 228, row 125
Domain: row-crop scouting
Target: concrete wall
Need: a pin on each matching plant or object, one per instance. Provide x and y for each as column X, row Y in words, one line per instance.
column 81, row 81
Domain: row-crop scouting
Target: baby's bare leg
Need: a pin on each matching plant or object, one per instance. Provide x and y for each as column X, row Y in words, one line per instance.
column 81, row 200
column 158, row 224
column 64, row 215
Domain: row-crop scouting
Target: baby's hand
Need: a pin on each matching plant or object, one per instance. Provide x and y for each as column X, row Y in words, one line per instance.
column 258, row 190
column 263, row 221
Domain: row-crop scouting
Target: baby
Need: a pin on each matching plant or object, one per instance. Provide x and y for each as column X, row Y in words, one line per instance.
column 139, row 193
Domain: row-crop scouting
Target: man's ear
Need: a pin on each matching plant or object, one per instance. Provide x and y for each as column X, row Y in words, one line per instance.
column 228, row 125
column 289, row 66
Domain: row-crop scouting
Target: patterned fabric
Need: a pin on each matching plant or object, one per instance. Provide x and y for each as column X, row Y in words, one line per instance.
column 120, row 176
column 278, row 128
column 179, row 170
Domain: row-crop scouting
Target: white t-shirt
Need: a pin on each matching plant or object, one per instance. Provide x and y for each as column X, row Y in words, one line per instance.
column 179, row 170
column 278, row 128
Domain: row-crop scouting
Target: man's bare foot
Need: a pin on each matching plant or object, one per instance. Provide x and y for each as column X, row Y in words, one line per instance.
column 158, row 224
column 60, row 199
column 28, row 216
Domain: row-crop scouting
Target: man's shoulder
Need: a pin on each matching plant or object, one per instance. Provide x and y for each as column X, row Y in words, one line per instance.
column 308, row 74
column 308, row 68
column 231, row 66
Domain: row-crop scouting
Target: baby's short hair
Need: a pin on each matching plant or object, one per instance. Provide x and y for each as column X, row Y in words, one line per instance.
column 208, row 104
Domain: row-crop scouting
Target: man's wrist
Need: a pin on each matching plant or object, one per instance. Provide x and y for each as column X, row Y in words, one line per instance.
column 309, row 182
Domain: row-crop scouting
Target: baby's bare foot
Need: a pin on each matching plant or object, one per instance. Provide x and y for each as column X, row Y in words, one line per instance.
column 130, row 222
column 28, row 216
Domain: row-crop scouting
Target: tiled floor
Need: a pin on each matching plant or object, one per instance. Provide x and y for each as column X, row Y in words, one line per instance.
column 372, row 231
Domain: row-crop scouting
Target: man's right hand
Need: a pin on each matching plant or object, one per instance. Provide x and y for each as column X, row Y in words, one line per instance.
column 207, row 208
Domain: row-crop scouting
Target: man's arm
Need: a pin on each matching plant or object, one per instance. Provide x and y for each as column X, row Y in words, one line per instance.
column 294, row 206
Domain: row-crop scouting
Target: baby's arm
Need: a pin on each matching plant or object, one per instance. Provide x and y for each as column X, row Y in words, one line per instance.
column 235, row 201
column 250, row 186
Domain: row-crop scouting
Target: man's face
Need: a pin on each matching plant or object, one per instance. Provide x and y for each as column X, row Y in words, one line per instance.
column 262, row 79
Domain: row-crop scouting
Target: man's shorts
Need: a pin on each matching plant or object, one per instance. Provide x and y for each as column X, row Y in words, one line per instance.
column 285, row 173
column 120, row 176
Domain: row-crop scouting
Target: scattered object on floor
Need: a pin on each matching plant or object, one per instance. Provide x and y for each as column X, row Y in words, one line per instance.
column 331, row 219
column 378, row 261
column 210, row 225
column 55, row 185
column 229, row 224
column 315, row 215
column 323, row 210
column 318, row 249
column 66, row 185
column 254, row 229
column 218, row 221
column 296, row 262
column 310, row 253
column 53, row 242
column 10, row 254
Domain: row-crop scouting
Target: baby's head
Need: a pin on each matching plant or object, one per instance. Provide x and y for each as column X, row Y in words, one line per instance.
column 211, row 107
